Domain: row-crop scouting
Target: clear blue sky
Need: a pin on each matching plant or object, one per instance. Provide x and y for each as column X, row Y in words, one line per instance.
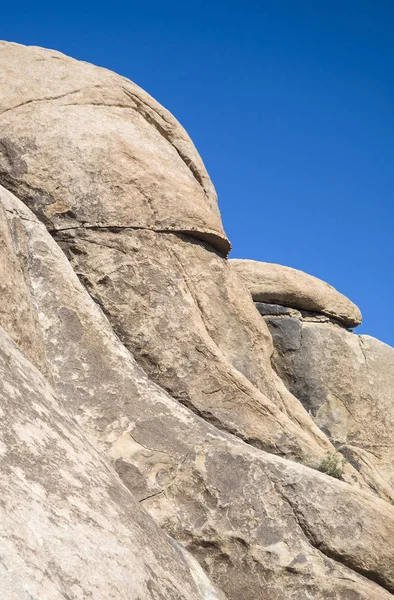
column 291, row 105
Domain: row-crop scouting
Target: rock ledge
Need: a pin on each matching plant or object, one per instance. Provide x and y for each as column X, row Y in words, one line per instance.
column 276, row 284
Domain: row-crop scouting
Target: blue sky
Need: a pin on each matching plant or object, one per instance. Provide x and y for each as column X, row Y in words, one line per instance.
column 290, row 104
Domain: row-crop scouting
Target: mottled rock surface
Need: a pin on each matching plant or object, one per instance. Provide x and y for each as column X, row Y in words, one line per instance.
column 277, row 284
column 155, row 359
column 257, row 523
column 216, row 360
column 346, row 382
column 68, row 527
column 83, row 146
column 82, row 175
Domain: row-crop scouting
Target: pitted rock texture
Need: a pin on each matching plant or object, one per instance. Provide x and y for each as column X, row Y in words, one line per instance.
column 158, row 369
column 83, row 146
column 258, row 524
column 277, row 284
column 68, row 527
column 346, row 382
column 216, row 360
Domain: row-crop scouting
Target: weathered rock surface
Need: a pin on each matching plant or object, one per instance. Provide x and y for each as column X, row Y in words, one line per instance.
column 259, row 524
column 83, row 146
column 277, row 284
column 122, row 190
column 16, row 307
column 346, row 382
column 101, row 170
column 216, row 359
column 68, row 527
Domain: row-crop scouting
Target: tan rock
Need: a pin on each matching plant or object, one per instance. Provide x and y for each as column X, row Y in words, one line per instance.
column 88, row 150
column 216, row 359
column 123, row 191
column 259, row 524
column 346, row 383
column 83, row 146
column 68, row 528
column 17, row 309
column 277, row 284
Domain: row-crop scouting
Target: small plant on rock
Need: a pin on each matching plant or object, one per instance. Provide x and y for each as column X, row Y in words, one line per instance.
column 333, row 464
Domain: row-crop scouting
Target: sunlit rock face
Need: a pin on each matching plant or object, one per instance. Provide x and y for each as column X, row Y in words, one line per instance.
column 83, row 146
column 346, row 383
column 276, row 284
column 69, row 528
column 138, row 391
column 344, row 380
column 150, row 249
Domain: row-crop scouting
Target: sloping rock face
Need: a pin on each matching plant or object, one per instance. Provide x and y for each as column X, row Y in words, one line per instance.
column 156, row 287
column 259, row 524
column 271, row 283
column 153, row 281
column 202, row 432
column 68, row 527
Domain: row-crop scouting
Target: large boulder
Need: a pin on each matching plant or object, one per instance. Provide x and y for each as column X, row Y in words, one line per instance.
column 260, row 525
column 143, row 233
column 276, row 284
column 83, row 146
column 104, row 178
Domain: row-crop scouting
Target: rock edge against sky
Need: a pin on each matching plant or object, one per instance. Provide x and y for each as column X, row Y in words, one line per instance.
column 166, row 411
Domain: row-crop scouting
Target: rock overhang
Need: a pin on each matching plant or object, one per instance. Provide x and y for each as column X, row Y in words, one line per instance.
column 276, row 284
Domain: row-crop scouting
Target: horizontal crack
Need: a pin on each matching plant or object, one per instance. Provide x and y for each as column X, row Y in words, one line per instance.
column 213, row 239
column 48, row 99
column 141, row 108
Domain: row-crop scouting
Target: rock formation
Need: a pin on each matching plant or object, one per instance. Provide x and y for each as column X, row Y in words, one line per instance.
column 141, row 373
column 69, row 528
column 276, row 284
column 344, row 380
